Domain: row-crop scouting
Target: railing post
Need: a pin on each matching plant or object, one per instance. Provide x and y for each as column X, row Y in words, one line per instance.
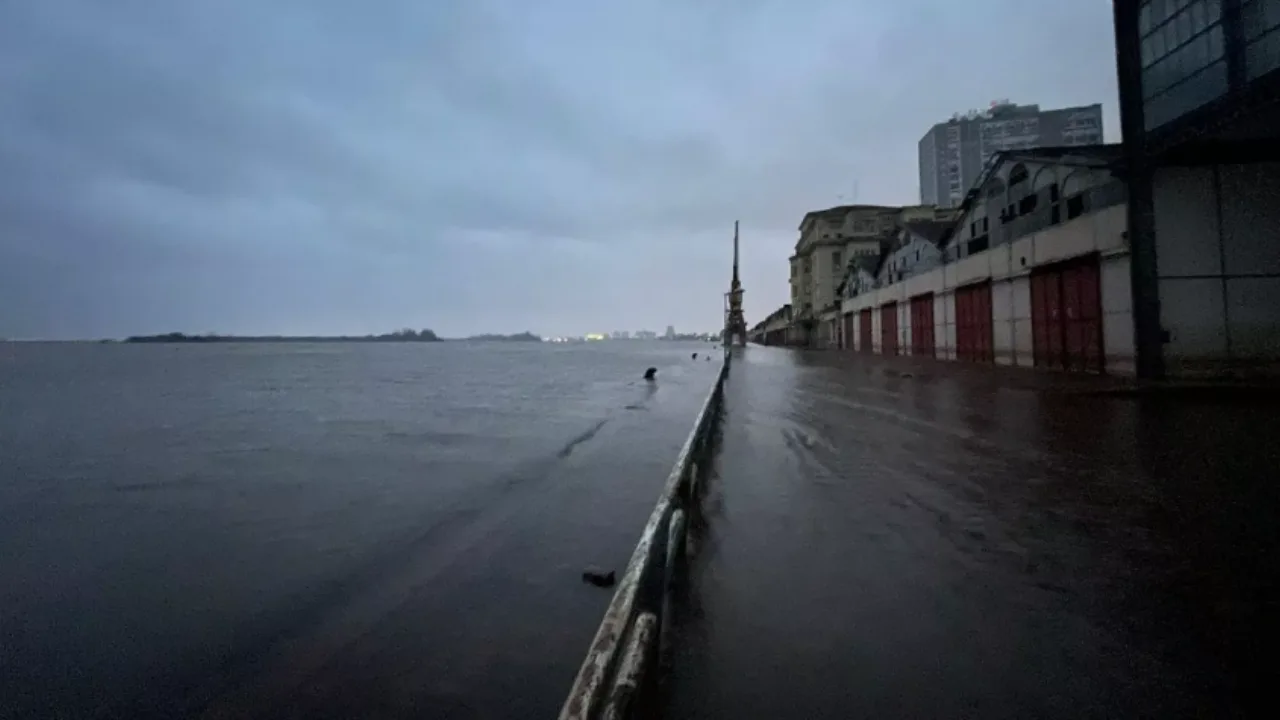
column 675, row 552
column 622, row 699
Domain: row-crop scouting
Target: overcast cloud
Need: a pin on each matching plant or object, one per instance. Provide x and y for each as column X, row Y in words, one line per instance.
column 333, row 166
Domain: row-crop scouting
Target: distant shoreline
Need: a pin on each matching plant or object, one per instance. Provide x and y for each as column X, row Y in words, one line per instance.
column 397, row 337
column 404, row 336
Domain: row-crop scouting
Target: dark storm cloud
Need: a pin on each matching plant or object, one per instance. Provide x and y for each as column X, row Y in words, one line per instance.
column 329, row 166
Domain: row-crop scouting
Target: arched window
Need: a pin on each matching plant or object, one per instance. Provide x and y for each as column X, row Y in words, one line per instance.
column 1022, row 192
column 1017, row 176
column 1046, row 178
column 1073, row 193
column 1073, row 184
column 995, row 199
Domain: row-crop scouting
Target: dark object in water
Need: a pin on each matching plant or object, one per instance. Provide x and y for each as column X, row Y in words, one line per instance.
column 598, row 577
column 708, row 358
column 695, row 356
column 650, row 373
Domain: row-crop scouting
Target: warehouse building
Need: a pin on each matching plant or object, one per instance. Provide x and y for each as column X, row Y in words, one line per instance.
column 1034, row 273
column 1159, row 257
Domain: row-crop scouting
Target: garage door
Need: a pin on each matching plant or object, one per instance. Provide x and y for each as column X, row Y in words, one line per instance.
column 864, row 330
column 922, row 325
column 973, row 323
column 889, row 329
column 1066, row 316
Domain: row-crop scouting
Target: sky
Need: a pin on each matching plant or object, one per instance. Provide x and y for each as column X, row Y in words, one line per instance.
column 473, row 166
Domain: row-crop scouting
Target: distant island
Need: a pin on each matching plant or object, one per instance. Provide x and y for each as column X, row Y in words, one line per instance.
column 518, row 337
column 405, row 335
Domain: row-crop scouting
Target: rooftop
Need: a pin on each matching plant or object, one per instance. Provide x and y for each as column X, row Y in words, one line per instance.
column 932, row 230
column 839, row 211
column 1085, row 155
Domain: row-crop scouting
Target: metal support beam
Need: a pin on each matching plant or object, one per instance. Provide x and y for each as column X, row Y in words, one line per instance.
column 1143, row 272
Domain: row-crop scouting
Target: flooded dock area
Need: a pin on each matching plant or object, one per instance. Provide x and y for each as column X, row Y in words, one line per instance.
column 899, row 538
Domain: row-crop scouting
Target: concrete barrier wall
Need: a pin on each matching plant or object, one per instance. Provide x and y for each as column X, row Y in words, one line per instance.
column 620, row 662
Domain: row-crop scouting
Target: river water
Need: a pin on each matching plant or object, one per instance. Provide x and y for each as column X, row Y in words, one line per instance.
column 320, row 531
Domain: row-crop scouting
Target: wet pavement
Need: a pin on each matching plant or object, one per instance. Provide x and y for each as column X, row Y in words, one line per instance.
column 901, row 538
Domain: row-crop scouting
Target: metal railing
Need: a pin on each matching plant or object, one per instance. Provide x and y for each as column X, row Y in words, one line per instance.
column 634, row 634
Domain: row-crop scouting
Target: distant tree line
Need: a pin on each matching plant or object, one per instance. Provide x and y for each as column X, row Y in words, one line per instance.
column 518, row 337
column 405, row 335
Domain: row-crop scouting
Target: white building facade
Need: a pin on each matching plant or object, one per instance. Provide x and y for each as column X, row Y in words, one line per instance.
column 1035, row 273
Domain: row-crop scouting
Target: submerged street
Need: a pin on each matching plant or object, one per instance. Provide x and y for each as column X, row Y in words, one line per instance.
column 897, row 538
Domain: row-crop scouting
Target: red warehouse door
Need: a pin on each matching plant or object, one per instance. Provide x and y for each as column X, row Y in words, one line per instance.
column 1066, row 317
column 847, row 337
column 864, row 330
column 973, row 323
column 1046, row 319
column 922, row 325
column 1082, row 307
column 889, row 329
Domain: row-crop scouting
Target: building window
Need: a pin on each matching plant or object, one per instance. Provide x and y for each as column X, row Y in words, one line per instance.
column 1018, row 174
column 1183, row 62
column 1260, row 21
column 835, row 259
column 1075, row 206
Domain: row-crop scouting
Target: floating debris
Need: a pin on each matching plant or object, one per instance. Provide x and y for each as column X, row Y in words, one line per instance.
column 599, row 578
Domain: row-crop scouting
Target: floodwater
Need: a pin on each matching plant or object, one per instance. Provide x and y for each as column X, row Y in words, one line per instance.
column 320, row 531
column 886, row 538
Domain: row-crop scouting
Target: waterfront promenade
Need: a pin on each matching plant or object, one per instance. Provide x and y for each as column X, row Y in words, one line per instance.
column 899, row 538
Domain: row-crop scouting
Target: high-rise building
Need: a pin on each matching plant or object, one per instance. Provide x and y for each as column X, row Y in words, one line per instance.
column 671, row 332
column 953, row 153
